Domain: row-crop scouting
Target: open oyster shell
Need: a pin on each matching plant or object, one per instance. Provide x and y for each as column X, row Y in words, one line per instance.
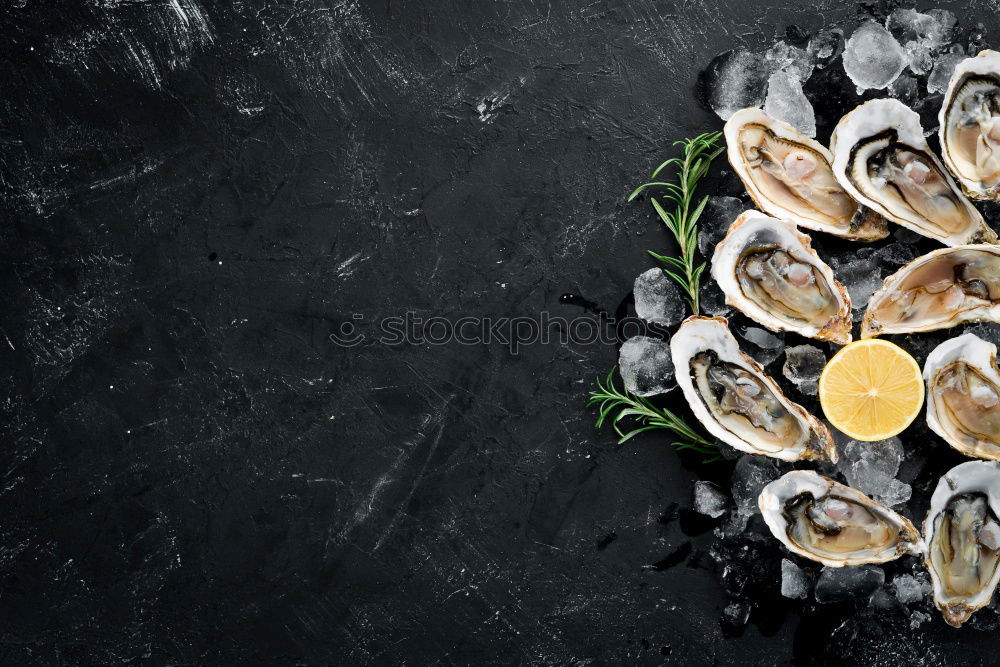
column 737, row 402
column 881, row 158
column 788, row 175
column 936, row 291
column 962, row 532
column 768, row 270
column 963, row 395
column 970, row 125
column 823, row 520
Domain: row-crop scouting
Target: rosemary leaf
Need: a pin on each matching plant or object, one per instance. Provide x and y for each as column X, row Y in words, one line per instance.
column 646, row 416
column 682, row 222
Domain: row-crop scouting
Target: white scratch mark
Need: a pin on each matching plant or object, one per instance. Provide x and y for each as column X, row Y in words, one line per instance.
column 350, row 265
column 364, row 510
column 489, row 107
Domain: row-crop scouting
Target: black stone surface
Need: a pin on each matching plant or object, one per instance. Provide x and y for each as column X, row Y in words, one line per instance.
column 196, row 196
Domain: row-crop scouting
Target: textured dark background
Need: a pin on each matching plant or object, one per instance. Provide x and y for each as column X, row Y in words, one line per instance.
column 196, row 195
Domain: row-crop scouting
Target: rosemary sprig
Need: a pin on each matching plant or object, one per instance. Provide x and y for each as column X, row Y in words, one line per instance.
column 608, row 399
column 692, row 165
column 696, row 158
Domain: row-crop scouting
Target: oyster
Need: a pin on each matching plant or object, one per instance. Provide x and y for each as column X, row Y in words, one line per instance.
column 825, row 521
column 788, row 175
column 937, row 291
column 768, row 269
column 962, row 531
column 970, row 125
column 740, row 405
column 963, row 395
column 881, row 158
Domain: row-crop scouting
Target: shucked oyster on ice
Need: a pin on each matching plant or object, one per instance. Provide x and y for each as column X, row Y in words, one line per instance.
column 936, row 291
column 962, row 531
column 963, row 395
column 825, row 521
column 768, row 269
column 970, row 125
column 737, row 402
column 789, row 177
column 881, row 158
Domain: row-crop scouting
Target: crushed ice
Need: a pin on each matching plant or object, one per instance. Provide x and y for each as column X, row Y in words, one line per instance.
column 764, row 346
column 794, row 582
column 909, row 55
column 803, row 365
column 871, row 468
column 708, row 500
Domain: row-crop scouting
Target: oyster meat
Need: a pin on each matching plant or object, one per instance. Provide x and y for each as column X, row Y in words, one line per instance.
column 962, row 531
column 881, row 158
column 936, row 291
column 963, row 395
column 789, row 176
column 833, row 524
column 970, row 125
column 737, row 402
column 769, row 271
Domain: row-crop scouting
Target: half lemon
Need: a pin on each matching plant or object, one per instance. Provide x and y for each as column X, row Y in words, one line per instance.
column 871, row 390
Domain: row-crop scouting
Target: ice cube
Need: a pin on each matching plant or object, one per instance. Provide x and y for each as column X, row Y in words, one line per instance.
column 837, row 584
column 784, row 57
column 645, row 366
column 871, row 468
column 872, row 57
column 794, row 582
column 905, row 89
column 708, row 500
column 658, row 298
column 734, row 574
column 766, row 346
column 718, row 214
column 934, row 28
column 735, row 80
column 922, row 35
column 803, row 365
column 825, row 46
column 712, row 300
column 943, row 29
column 914, row 461
column 786, row 101
column 920, row 57
column 861, row 276
column 750, row 476
column 735, row 617
column 945, row 64
column 909, row 589
column 977, row 40
column 881, row 458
